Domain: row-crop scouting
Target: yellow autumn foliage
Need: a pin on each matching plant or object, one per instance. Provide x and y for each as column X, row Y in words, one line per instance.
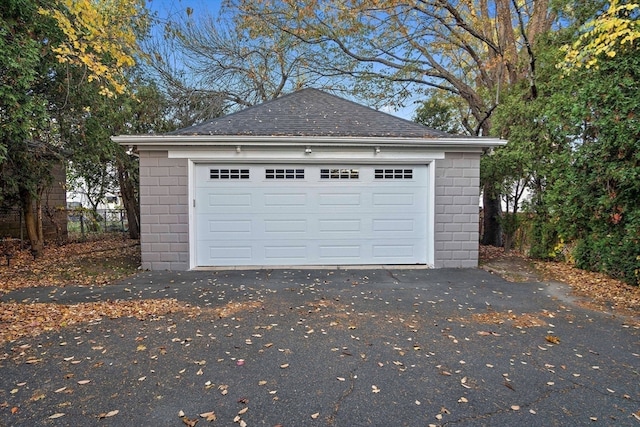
column 101, row 36
column 604, row 36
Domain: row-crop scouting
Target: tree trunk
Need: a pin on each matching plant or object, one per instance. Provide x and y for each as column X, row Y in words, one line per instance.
column 32, row 224
column 129, row 200
column 492, row 234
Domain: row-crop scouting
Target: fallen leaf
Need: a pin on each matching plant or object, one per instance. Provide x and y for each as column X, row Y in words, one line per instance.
column 515, row 407
column 109, row 414
column 15, row 410
column 375, row 389
column 243, row 410
column 316, row 415
column 553, row 339
column 209, row 416
column 284, row 366
column 189, row 422
column 83, row 382
column 340, row 379
column 58, row 415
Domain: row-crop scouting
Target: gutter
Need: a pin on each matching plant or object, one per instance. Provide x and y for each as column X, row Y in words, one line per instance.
column 141, row 141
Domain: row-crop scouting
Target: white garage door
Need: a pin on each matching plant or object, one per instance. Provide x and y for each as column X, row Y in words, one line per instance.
column 310, row 215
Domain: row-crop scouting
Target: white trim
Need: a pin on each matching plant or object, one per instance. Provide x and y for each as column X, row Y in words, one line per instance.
column 429, row 244
column 191, row 179
column 334, row 160
column 385, row 156
column 431, row 213
column 151, row 141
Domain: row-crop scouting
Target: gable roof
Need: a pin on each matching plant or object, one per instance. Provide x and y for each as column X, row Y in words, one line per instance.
column 312, row 112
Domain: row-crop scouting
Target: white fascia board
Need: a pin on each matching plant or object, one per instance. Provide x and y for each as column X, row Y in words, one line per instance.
column 302, row 155
column 154, row 142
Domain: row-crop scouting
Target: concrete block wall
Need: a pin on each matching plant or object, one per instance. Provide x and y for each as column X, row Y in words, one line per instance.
column 164, row 212
column 457, row 189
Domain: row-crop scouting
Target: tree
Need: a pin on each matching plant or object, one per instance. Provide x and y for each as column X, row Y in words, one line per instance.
column 438, row 113
column 470, row 49
column 577, row 143
column 26, row 134
column 614, row 30
column 600, row 210
column 100, row 37
column 43, row 46
column 208, row 64
column 96, row 160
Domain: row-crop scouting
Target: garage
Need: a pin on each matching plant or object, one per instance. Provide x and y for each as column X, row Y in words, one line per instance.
column 279, row 215
column 308, row 179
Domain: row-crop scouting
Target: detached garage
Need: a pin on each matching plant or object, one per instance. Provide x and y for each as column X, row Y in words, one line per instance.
column 308, row 179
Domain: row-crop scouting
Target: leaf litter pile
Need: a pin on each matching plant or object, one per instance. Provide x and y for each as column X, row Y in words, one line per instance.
column 597, row 291
column 94, row 263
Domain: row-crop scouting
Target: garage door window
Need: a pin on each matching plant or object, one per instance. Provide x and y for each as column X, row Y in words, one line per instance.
column 394, row 173
column 229, row 174
column 284, row 173
column 339, row 173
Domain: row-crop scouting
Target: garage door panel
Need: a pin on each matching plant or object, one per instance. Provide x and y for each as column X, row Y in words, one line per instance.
column 310, row 220
column 329, row 200
column 285, row 226
column 394, row 199
column 285, row 254
column 394, row 225
column 392, row 251
column 334, row 252
column 235, row 255
column 339, row 225
column 229, row 200
column 285, row 200
column 229, row 226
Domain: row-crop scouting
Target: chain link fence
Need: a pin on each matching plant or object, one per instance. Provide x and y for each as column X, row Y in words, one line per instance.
column 82, row 222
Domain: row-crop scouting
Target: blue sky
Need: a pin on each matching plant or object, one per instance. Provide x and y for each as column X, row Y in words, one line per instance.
column 175, row 8
column 167, row 8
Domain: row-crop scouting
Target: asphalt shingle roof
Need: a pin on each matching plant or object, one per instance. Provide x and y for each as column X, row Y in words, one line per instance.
column 312, row 112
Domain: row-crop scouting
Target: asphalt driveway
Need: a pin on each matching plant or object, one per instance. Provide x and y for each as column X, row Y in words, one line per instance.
column 328, row 347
